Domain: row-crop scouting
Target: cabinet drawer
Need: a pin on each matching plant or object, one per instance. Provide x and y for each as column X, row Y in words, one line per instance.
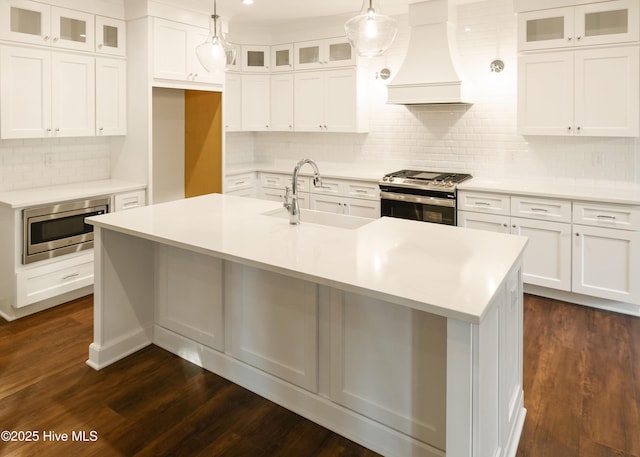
column 330, row 187
column 541, row 208
column 281, row 181
column 238, row 182
column 39, row 283
column 129, row 200
column 614, row 216
column 484, row 202
column 362, row 189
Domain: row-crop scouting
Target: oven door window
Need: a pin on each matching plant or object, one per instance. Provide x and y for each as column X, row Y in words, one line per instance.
column 419, row 212
column 55, row 229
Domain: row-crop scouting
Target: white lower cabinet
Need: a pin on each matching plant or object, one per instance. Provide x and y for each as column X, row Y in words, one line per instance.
column 53, row 279
column 582, row 247
column 273, row 321
column 547, row 258
column 606, row 263
column 345, row 205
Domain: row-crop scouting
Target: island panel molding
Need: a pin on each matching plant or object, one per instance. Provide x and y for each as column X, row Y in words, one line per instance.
column 312, row 282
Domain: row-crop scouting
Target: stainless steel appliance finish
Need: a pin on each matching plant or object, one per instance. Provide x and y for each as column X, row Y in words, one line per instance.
column 59, row 229
column 421, row 195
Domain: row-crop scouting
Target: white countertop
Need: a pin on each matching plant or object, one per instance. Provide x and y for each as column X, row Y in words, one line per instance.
column 450, row 271
column 44, row 195
column 629, row 195
column 327, row 170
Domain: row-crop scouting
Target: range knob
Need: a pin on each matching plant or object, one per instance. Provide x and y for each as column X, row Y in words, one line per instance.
column 391, row 179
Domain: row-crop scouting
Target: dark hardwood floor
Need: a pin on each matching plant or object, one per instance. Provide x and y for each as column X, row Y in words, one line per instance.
column 581, row 373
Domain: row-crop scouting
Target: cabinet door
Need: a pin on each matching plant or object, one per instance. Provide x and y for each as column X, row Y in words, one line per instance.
column 308, row 102
column 255, row 58
column 547, row 257
column 25, row 21
column 607, row 94
column 255, row 102
column 338, row 52
column 73, row 95
column 111, row 36
column 282, row 57
column 111, row 97
column 170, row 50
column 606, row 263
column 607, row 22
column 72, row 29
column 25, row 91
column 552, row 28
column 340, row 101
column 546, row 94
column 281, row 104
column 232, row 97
column 361, row 208
column 308, row 55
column 481, row 221
column 328, row 204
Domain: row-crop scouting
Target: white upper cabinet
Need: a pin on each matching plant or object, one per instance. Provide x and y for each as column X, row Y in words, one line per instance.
column 36, row 23
column 593, row 92
column 256, row 58
column 232, row 100
column 282, row 57
column 255, row 102
column 281, row 102
column 46, row 94
column 330, row 52
column 174, row 54
column 111, row 36
column 328, row 101
column 111, row 97
column 590, row 24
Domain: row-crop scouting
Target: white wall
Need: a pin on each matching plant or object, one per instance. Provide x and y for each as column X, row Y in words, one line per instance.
column 479, row 139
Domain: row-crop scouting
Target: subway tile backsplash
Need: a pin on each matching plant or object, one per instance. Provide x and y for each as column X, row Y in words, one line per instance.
column 32, row 163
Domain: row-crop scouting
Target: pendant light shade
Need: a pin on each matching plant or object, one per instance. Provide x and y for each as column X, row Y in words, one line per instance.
column 215, row 52
column 370, row 32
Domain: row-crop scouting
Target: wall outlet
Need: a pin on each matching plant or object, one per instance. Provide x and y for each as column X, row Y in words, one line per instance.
column 48, row 159
column 597, row 159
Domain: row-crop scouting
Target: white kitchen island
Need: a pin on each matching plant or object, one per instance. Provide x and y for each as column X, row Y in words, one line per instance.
column 403, row 336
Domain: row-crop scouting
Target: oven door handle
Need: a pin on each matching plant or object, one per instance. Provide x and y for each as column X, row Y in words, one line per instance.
column 418, row 199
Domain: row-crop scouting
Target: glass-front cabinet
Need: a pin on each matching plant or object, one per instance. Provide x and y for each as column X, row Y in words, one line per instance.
column 36, row 23
column 255, row 58
column 282, row 57
column 331, row 52
column 589, row 24
column 110, row 36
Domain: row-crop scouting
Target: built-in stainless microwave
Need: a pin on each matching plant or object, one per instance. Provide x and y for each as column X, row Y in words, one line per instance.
column 59, row 229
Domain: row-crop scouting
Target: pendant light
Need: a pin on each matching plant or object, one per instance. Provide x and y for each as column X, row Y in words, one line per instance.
column 370, row 32
column 215, row 52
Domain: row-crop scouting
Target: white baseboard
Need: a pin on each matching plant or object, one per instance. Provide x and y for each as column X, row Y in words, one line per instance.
column 102, row 356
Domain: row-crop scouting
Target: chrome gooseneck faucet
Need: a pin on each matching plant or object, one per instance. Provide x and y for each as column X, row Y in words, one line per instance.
column 291, row 195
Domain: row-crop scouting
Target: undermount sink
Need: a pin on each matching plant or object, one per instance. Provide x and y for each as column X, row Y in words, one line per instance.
column 308, row 216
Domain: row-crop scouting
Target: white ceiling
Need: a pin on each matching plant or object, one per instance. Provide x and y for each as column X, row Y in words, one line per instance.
column 273, row 12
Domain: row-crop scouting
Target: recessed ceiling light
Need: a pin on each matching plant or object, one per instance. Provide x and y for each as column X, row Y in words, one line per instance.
column 247, row 2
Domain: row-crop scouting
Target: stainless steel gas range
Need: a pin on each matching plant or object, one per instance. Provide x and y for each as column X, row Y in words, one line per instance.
column 421, row 195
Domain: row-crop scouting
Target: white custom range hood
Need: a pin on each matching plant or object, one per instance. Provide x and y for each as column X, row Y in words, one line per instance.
column 429, row 72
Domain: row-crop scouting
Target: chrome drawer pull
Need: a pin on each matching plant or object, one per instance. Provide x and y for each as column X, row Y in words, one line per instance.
column 606, row 216
column 483, row 204
column 72, row 275
column 540, row 210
